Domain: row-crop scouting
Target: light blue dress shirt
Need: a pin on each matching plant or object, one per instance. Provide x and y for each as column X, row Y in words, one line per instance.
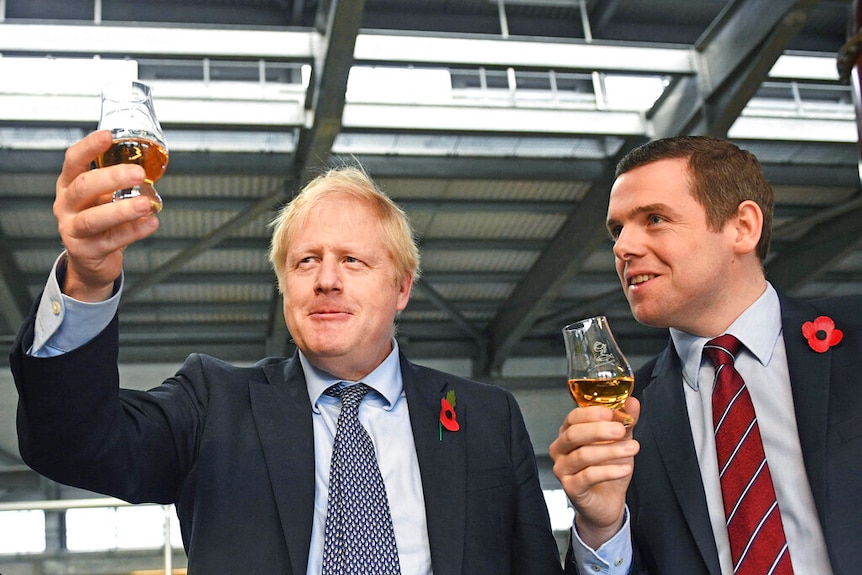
column 763, row 365
column 55, row 336
column 614, row 557
column 384, row 414
column 63, row 324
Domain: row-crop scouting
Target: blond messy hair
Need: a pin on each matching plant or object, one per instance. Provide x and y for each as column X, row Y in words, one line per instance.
column 353, row 181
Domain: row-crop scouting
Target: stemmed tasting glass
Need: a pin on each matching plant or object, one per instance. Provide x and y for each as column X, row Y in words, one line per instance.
column 127, row 111
column 598, row 372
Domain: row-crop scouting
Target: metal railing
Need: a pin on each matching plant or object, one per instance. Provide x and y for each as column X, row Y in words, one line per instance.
column 95, row 503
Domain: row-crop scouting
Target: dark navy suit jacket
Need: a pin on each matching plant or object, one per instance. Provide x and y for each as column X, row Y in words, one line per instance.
column 670, row 522
column 233, row 449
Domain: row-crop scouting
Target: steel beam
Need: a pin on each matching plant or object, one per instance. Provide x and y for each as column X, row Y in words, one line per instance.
column 817, row 250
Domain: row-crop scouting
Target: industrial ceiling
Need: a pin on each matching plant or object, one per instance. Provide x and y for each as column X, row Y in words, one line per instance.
column 495, row 124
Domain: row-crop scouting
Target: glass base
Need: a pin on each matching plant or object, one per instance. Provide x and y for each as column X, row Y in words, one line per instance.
column 623, row 417
column 142, row 190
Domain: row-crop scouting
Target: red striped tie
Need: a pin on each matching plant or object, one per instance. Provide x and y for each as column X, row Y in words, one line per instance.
column 757, row 542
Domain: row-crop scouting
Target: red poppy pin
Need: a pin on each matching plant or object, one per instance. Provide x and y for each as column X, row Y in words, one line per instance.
column 447, row 413
column 821, row 333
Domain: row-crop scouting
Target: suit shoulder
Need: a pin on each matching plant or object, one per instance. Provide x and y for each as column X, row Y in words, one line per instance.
column 213, row 368
column 432, row 376
column 848, row 308
column 208, row 362
column 646, row 373
column 435, row 375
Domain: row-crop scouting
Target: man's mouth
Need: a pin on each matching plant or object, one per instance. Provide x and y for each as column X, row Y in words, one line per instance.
column 640, row 278
column 327, row 312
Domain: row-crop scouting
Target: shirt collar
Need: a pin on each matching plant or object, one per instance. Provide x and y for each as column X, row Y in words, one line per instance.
column 758, row 328
column 385, row 379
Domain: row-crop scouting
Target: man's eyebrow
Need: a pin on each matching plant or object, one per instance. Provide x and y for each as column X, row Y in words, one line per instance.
column 649, row 208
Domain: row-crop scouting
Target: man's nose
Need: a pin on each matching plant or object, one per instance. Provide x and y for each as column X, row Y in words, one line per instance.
column 627, row 243
column 328, row 276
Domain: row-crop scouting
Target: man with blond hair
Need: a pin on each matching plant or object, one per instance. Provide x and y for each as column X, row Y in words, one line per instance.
column 252, row 457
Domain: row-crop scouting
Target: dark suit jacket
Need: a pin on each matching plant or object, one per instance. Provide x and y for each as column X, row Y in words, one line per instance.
column 670, row 523
column 233, row 448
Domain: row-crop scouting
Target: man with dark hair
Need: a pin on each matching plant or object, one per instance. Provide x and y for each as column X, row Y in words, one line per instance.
column 746, row 442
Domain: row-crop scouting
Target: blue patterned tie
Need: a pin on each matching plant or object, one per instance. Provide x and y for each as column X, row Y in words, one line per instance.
column 359, row 538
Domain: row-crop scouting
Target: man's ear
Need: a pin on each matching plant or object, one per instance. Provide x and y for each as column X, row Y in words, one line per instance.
column 748, row 225
column 404, row 287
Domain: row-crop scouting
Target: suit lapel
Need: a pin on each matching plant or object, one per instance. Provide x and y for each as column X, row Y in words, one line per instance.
column 282, row 413
column 668, row 421
column 442, row 466
column 809, row 381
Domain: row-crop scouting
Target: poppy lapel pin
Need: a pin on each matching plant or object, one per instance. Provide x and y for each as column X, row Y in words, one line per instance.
column 448, row 418
column 821, row 333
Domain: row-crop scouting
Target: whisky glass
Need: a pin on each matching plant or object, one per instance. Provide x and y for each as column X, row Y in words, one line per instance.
column 127, row 111
column 598, row 372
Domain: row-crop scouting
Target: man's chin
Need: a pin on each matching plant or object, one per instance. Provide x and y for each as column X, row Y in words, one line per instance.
column 649, row 318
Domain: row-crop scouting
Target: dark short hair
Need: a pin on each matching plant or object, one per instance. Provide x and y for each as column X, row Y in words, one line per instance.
column 722, row 177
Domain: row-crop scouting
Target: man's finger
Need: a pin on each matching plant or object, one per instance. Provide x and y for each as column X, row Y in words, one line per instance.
column 81, row 155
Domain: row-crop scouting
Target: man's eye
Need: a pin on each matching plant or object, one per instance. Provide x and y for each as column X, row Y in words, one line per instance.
column 654, row 219
column 615, row 232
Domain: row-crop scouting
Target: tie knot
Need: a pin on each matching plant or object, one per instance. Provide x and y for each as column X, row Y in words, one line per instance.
column 351, row 396
column 722, row 350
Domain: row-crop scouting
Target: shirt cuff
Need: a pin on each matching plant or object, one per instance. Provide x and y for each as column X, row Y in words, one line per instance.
column 64, row 323
column 614, row 557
